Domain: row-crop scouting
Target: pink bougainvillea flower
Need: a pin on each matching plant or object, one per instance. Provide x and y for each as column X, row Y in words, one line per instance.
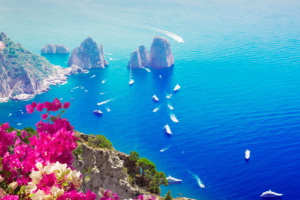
column 48, row 106
column 11, row 197
column 40, row 107
column 44, row 116
column 29, row 108
column 23, row 134
column 66, row 105
column 56, row 105
column 33, row 104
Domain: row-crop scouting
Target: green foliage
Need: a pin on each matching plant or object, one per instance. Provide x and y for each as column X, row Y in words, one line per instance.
column 125, row 170
column 158, row 179
column 146, row 164
column 134, row 156
column 168, row 196
column 100, row 141
column 130, row 180
column 78, row 151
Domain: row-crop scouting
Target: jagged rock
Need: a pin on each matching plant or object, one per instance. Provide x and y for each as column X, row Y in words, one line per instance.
column 107, row 172
column 74, row 69
column 139, row 58
column 88, row 55
column 54, row 48
column 160, row 55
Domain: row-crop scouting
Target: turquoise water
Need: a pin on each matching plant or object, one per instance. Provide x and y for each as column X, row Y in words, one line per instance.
column 238, row 69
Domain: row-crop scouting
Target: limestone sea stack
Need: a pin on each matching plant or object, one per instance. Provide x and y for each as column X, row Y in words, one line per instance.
column 55, row 48
column 160, row 55
column 139, row 58
column 88, row 55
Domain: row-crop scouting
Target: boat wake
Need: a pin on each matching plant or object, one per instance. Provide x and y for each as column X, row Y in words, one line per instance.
column 170, row 106
column 103, row 93
column 173, row 117
column 113, row 59
column 104, row 102
column 107, row 108
column 166, row 148
column 93, row 76
column 148, row 70
column 108, row 54
column 75, row 88
column 156, row 109
column 198, row 180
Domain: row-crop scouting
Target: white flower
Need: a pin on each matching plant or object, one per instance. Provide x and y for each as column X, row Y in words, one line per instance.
column 39, row 195
column 13, row 185
column 36, row 176
column 55, row 191
column 31, row 187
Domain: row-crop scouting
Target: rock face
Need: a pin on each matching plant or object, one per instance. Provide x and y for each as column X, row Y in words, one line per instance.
column 24, row 74
column 160, row 55
column 88, row 55
column 139, row 58
column 107, row 171
column 54, row 48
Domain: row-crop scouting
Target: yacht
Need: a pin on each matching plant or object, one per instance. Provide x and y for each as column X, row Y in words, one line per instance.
column 168, row 96
column 154, row 98
column 108, row 110
column 247, row 154
column 177, row 87
column 97, row 112
column 173, row 180
column 93, row 76
column 201, row 185
column 160, row 76
column 104, row 80
column 270, row 194
column 9, row 114
column 171, row 107
column 131, row 82
column 19, row 124
column 167, row 129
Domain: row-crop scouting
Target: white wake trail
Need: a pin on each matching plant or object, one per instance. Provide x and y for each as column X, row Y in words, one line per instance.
column 104, row 102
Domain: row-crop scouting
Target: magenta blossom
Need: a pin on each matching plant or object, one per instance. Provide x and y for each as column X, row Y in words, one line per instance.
column 29, row 108
column 33, row 104
column 40, row 107
column 66, row 105
column 23, row 134
column 44, row 116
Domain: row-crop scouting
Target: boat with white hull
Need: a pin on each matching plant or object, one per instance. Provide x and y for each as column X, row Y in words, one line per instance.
column 131, row 82
column 247, row 154
column 167, row 129
column 97, row 112
column 270, row 194
column 173, row 180
column 154, row 98
column 177, row 87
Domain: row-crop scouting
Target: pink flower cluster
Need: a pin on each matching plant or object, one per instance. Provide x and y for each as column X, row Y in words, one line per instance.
column 41, row 169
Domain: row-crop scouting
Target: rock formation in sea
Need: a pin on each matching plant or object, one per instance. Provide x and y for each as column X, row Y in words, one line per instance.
column 24, row 74
column 160, row 55
column 54, row 48
column 88, row 55
column 139, row 58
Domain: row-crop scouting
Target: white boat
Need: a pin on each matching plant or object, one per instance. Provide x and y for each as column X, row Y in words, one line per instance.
column 171, row 107
column 71, row 91
column 93, row 76
column 98, row 112
column 20, row 110
column 9, row 114
column 61, row 99
column 154, row 98
column 270, row 194
column 177, row 87
column 108, row 110
column 167, row 129
column 81, row 87
column 19, row 124
column 72, row 98
column 160, row 76
column 173, row 180
column 86, row 91
column 168, row 96
column 247, row 154
column 201, row 185
column 162, row 150
column 148, row 70
column 131, row 82
column 156, row 109
column 104, row 80
column 22, row 113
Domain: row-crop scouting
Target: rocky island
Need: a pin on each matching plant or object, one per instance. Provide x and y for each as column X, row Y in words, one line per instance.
column 88, row 55
column 160, row 55
column 54, row 48
column 139, row 58
column 24, row 74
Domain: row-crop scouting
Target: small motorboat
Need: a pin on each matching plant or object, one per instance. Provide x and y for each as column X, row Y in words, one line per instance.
column 20, row 110
column 104, row 80
column 170, row 106
column 22, row 113
column 173, row 180
column 168, row 96
column 93, row 76
column 270, row 194
column 19, row 124
column 167, row 129
column 61, row 99
column 131, row 82
column 177, row 87
column 9, row 114
column 71, row 91
column 72, row 98
column 201, row 185
column 108, row 110
column 160, row 76
column 81, row 87
column 247, row 154
column 98, row 112
column 86, row 91
column 154, row 98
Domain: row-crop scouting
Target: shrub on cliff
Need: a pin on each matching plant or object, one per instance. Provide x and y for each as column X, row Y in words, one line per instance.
column 134, row 156
column 100, row 141
column 168, row 196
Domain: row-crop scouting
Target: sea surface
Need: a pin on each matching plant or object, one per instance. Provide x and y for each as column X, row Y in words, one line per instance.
column 239, row 72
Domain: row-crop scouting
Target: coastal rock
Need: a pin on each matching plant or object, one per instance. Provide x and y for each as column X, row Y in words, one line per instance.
column 139, row 58
column 54, row 48
column 160, row 55
column 107, row 171
column 88, row 55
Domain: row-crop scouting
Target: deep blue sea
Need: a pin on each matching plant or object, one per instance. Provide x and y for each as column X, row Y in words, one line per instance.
column 239, row 72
